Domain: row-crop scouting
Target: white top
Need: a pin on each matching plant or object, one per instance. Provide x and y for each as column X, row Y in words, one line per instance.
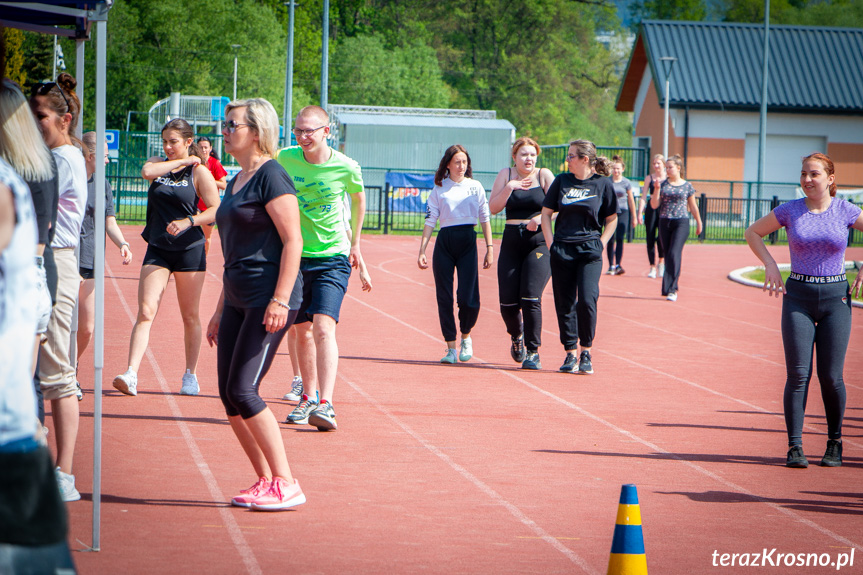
column 18, row 304
column 72, row 187
column 457, row 204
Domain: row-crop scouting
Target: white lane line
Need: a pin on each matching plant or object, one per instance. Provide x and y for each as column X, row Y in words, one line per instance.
column 477, row 482
column 729, row 484
column 228, row 520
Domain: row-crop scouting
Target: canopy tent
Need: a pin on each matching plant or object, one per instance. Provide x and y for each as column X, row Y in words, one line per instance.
column 73, row 19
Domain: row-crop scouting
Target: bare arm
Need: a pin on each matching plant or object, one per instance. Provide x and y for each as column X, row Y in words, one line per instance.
column 857, row 288
column 7, row 216
column 157, row 166
column 116, row 234
column 754, row 235
column 489, row 246
column 222, row 183
column 546, row 226
column 358, row 214
column 609, row 229
column 693, row 209
column 205, row 185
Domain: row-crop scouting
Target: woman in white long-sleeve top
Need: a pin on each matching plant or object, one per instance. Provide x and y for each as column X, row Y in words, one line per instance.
column 459, row 203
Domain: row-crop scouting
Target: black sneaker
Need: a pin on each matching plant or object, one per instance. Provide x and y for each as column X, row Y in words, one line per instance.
column 531, row 361
column 584, row 365
column 517, row 349
column 796, row 458
column 570, row 364
column 833, row 455
column 619, row 271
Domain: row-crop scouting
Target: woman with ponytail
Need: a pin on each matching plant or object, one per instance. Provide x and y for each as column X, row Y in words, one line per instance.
column 56, row 107
column 586, row 205
column 175, row 246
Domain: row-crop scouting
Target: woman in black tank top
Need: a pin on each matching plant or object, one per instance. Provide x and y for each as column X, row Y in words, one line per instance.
column 175, row 246
column 523, row 266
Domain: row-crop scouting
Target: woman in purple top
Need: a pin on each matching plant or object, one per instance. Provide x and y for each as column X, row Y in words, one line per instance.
column 816, row 308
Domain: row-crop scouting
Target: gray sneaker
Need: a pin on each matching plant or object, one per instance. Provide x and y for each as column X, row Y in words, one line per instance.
column 570, row 364
column 127, row 383
column 296, row 392
column 66, row 483
column 190, row 384
column 300, row 414
column 324, row 417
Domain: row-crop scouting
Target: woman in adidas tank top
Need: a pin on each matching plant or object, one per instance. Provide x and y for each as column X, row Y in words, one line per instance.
column 175, row 246
column 523, row 269
column 816, row 302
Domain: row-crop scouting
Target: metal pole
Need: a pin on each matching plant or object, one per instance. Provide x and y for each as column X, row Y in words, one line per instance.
column 54, row 65
column 670, row 62
column 236, row 47
column 99, row 268
column 79, row 77
column 762, row 128
column 325, row 50
column 289, row 76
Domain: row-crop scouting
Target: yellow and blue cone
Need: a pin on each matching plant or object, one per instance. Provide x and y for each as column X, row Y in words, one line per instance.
column 627, row 547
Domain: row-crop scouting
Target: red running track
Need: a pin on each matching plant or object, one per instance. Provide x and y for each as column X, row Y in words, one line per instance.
column 479, row 467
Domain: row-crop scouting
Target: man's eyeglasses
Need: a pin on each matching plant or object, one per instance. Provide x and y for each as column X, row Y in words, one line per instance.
column 42, row 88
column 300, row 132
column 231, row 126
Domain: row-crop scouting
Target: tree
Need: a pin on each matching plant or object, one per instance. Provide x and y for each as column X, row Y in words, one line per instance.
column 365, row 72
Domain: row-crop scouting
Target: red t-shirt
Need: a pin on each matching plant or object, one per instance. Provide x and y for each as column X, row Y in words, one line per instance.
column 215, row 167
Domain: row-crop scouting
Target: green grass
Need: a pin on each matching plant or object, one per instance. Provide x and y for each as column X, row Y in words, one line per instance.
column 758, row 275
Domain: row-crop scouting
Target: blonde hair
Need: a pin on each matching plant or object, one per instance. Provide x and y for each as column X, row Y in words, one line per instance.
column 263, row 120
column 21, row 143
column 676, row 159
column 587, row 149
column 525, row 141
column 89, row 139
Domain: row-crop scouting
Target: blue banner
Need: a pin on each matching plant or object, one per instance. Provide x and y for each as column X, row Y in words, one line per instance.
column 409, row 192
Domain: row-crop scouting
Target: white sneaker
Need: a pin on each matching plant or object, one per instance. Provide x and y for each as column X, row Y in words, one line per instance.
column 465, row 352
column 672, row 296
column 661, row 271
column 450, row 357
column 296, row 392
column 127, row 383
column 652, row 273
column 190, row 384
column 66, row 483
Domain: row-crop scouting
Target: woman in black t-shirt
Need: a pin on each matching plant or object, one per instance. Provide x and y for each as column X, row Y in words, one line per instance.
column 175, row 246
column 259, row 225
column 587, row 217
column 522, row 269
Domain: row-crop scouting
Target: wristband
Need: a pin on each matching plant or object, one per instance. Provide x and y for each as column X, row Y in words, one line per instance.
column 280, row 303
column 124, row 244
column 192, row 220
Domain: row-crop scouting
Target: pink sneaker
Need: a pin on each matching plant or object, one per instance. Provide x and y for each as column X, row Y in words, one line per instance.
column 281, row 495
column 246, row 496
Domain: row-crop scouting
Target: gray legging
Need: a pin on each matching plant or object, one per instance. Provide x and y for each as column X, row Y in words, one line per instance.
column 818, row 314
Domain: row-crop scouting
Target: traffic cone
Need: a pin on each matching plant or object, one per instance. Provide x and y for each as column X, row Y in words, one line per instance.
column 627, row 547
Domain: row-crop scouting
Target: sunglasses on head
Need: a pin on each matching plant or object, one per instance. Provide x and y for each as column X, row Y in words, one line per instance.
column 42, row 88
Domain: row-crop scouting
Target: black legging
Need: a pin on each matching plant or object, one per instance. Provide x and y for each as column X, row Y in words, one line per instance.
column 672, row 234
column 651, row 229
column 244, row 355
column 614, row 248
column 819, row 315
column 575, row 272
column 523, row 270
column 455, row 251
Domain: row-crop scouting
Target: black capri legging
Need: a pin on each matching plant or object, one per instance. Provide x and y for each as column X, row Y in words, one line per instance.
column 455, row 251
column 575, row 272
column 819, row 315
column 245, row 353
column 523, row 270
column 651, row 229
column 615, row 243
column 673, row 233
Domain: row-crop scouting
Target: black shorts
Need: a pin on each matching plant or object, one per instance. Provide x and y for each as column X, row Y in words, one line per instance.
column 193, row 259
column 325, row 282
column 86, row 273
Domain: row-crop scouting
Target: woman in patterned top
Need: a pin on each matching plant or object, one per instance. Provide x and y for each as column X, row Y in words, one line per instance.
column 816, row 307
column 674, row 197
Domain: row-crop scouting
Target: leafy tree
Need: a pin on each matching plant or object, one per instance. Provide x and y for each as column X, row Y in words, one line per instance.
column 692, row 10
column 365, row 72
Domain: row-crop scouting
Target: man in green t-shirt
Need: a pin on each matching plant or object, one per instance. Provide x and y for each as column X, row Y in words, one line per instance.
column 324, row 179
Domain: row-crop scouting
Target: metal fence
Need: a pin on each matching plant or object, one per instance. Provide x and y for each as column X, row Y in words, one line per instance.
column 727, row 207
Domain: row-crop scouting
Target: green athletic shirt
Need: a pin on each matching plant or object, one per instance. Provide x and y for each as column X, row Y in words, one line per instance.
column 322, row 190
